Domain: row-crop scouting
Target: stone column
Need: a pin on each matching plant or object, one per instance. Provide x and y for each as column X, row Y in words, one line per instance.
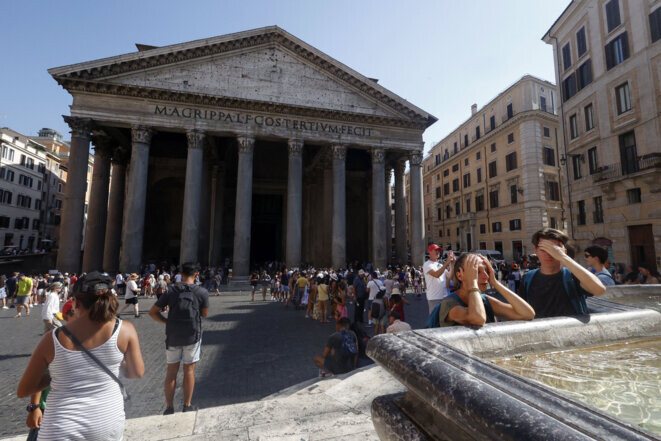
column 400, row 213
column 190, row 220
column 97, row 211
column 243, row 215
column 73, row 209
column 133, row 227
column 378, row 209
column 388, row 174
column 417, row 221
column 339, row 239
column 294, row 203
column 115, row 209
column 217, row 196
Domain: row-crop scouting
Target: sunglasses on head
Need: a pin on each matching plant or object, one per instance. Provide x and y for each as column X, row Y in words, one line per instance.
column 587, row 255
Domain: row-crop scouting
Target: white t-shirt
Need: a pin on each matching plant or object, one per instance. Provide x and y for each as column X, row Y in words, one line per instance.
column 177, row 278
column 51, row 306
column 130, row 287
column 436, row 286
column 388, row 283
column 374, row 287
column 119, row 279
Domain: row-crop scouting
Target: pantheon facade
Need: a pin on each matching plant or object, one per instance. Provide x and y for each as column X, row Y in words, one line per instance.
column 251, row 147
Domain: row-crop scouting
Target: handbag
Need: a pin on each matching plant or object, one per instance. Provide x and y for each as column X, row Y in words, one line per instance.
column 79, row 345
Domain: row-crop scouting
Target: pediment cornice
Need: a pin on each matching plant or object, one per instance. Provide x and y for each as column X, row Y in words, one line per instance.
column 75, row 77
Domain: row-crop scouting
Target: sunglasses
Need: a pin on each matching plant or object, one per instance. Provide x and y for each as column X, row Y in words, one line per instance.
column 587, row 255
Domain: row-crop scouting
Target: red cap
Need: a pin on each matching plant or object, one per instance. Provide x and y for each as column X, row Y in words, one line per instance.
column 433, row 247
column 67, row 307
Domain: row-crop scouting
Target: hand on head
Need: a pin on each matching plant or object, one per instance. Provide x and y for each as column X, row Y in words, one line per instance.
column 470, row 270
column 489, row 269
column 555, row 251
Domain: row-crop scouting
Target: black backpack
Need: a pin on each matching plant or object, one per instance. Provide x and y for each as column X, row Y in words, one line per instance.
column 184, row 325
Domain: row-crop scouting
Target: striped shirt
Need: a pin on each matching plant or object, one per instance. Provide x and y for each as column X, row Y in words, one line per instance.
column 84, row 403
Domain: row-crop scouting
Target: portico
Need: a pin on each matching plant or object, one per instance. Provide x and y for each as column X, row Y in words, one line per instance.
column 249, row 147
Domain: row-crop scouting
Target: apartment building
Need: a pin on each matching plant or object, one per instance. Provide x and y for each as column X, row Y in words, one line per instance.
column 495, row 179
column 608, row 65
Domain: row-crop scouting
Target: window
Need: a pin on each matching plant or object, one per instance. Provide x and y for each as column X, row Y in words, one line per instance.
column 467, row 180
column 569, row 87
column 438, row 192
column 478, row 155
column 510, row 111
column 622, row 98
column 612, row 14
column 581, row 42
column 573, row 126
column 457, row 210
column 493, row 169
column 510, row 161
column 35, row 224
column 440, row 233
column 465, row 140
column 455, row 184
column 598, row 215
column 592, row 160
column 510, row 138
column 439, row 213
column 493, row 199
column 59, row 187
column 547, row 132
column 4, row 222
column 437, row 158
column 628, row 153
column 466, row 161
column 542, row 103
column 479, row 203
column 617, row 51
column 548, row 156
column 446, row 173
column 633, row 195
column 446, row 188
column 5, row 152
column 576, row 162
column 566, row 56
column 448, row 213
column 493, row 147
column 455, row 168
column 513, row 194
column 18, row 223
column 584, row 75
column 515, row 224
column 483, row 245
column 455, row 147
column 477, row 132
column 655, row 26
column 427, row 188
column 37, row 204
column 468, row 205
column 496, row 227
column 483, row 229
column 479, row 175
column 553, row 191
column 589, row 117
column 5, row 196
column 58, row 204
column 581, row 213
column 492, row 122
column 553, row 222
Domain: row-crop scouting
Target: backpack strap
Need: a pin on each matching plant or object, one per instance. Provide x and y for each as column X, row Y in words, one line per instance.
column 527, row 281
column 577, row 300
column 488, row 309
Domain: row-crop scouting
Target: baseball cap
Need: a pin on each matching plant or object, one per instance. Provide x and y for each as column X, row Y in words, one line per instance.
column 361, row 272
column 433, row 247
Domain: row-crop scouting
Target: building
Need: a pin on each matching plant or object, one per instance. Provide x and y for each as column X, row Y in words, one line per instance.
column 22, row 168
column 252, row 147
column 608, row 64
column 495, row 179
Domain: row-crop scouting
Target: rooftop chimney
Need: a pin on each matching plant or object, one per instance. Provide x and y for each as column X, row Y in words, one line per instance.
column 473, row 109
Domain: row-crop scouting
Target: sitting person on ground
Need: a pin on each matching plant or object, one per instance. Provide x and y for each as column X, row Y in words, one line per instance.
column 396, row 324
column 471, row 274
column 560, row 285
column 596, row 257
column 341, row 352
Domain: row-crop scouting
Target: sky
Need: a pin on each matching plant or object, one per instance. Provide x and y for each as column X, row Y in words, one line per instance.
column 440, row 55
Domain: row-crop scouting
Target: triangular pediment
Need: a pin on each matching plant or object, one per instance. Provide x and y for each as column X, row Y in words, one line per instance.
column 265, row 65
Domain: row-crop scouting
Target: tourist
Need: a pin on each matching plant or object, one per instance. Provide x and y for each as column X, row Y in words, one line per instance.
column 436, row 276
column 51, row 306
column 340, row 301
column 284, row 284
column 360, row 293
column 119, row 284
column 341, row 352
column 265, row 282
column 396, row 304
column 85, row 402
column 187, row 305
column 3, row 291
column 254, row 280
column 161, row 286
column 131, row 295
column 312, row 309
column 23, row 292
column 375, row 308
column 650, row 275
column 11, row 286
column 560, row 286
column 596, row 257
column 471, row 274
column 396, row 324
column 322, row 297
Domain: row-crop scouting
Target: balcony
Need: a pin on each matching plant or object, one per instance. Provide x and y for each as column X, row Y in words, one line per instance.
column 646, row 164
column 466, row 217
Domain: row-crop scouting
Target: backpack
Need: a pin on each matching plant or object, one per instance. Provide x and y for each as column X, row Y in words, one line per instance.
column 184, row 325
column 434, row 321
column 382, row 289
column 348, row 347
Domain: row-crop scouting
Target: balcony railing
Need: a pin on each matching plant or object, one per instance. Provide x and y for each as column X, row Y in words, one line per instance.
column 618, row 170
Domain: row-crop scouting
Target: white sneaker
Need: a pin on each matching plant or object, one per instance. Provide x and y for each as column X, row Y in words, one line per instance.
column 5, row 307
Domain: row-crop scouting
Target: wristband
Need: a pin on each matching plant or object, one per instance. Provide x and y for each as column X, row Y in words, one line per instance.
column 474, row 290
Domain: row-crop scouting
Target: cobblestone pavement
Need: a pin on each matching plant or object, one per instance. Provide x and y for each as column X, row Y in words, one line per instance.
column 249, row 350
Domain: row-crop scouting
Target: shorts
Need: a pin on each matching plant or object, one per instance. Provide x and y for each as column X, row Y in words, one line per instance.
column 3, row 293
column 132, row 301
column 376, row 310
column 20, row 300
column 285, row 289
column 188, row 354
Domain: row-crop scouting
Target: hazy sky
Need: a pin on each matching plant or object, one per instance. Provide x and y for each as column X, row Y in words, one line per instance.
column 440, row 55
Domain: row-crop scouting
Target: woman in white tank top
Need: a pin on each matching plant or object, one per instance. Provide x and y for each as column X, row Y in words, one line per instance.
column 84, row 402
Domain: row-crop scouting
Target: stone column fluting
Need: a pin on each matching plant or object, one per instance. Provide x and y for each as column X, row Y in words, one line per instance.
column 217, row 200
column 294, row 203
column 113, row 236
column 97, row 212
column 339, row 223
column 417, row 221
column 190, row 220
column 378, row 209
column 388, row 175
column 243, row 215
column 133, row 225
column 401, row 242
column 73, row 208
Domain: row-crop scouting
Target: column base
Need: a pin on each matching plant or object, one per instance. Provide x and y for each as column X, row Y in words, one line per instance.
column 239, row 283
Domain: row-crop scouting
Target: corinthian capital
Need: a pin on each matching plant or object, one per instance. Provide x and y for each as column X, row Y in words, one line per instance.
column 416, row 159
column 339, row 152
column 246, row 144
column 120, row 156
column 80, row 127
column 195, row 139
column 378, row 155
column 141, row 134
column 295, row 147
column 400, row 167
column 103, row 145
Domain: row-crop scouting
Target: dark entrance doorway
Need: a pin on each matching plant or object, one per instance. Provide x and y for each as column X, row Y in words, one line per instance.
column 165, row 204
column 266, row 229
column 641, row 241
